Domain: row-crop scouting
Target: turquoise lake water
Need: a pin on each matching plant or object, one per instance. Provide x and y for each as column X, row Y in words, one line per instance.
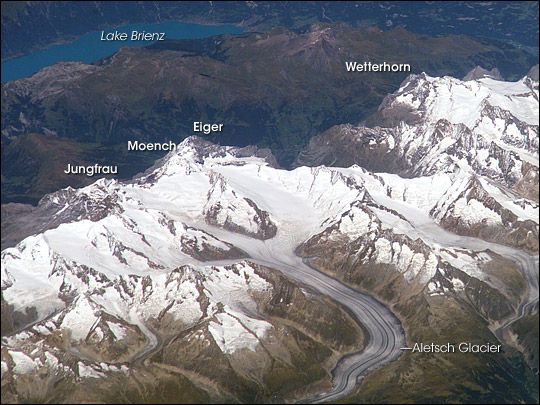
column 89, row 48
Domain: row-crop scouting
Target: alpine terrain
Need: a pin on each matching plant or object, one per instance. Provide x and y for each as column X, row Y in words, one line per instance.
column 217, row 276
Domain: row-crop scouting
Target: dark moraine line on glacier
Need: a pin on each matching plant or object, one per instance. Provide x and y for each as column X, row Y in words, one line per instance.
column 529, row 268
column 153, row 345
column 385, row 333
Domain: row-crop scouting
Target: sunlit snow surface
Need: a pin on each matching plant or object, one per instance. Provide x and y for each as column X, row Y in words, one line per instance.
column 462, row 102
column 505, row 113
column 141, row 240
column 106, row 263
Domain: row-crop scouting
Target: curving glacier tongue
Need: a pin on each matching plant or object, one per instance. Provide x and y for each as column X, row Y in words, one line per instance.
column 205, row 203
column 188, row 251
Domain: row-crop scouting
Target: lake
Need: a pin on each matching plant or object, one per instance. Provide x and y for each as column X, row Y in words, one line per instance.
column 89, row 48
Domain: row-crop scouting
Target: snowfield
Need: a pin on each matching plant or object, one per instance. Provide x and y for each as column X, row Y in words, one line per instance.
column 123, row 251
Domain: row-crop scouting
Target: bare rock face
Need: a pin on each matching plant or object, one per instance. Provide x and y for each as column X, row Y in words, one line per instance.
column 227, row 209
column 418, row 132
column 147, row 283
column 470, row 166
column 205, row 247
column 12, row 226
column 259, row 223
column 141, row 290
column 533, row 73
column 347, row 145
column 427, row 287
column 290, row 354
column 508, row 228
column 494, row 139
column 480, row 73
column 357, row 239
column 529, row 182
column 94, row 202
column 358, row 249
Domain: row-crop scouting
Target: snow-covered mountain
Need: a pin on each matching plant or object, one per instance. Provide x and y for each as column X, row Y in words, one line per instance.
column 477, row 140
column 133, row 265
column 189, row 261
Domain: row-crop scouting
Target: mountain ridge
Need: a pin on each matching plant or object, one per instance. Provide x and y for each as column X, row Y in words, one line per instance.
column 266, row 100
column 198, row 254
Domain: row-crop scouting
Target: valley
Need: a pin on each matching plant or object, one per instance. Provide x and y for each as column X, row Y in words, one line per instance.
column 91, row 111
column 270, row 202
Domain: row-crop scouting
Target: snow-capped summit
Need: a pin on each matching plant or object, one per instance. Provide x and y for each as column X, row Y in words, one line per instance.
column 198, row 248
column 431, row 124
column 462, row 102
column 481, row 132
column 205, row 203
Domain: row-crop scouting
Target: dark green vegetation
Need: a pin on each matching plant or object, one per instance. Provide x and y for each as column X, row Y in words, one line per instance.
column 33, row 164
column 449, row 378
column 308, row 336
column 275, row 89
column 457, row 316
column 526, row 330
column 34, row 24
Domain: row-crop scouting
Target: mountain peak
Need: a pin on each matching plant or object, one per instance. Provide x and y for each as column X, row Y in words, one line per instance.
column 480, row 73
column 533, row 73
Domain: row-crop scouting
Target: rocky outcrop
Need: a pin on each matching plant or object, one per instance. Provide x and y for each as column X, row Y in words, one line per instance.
column 480, row 73
column 422, row 130
column 291, row 354
column 533, row 73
